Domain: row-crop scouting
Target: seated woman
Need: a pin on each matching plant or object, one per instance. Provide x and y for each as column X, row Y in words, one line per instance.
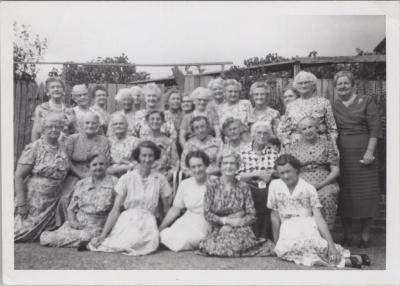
column 80, row 147
column 121, row 146
column 187, row 231
column 55, row 90
column 40, row 173
column 319, row 166
column 300, row 232
column 91, row 202
column 169, row 161
column 201, row 141
column 229, row 208
column 134, row 230
column 232, row 131
column 257, row 168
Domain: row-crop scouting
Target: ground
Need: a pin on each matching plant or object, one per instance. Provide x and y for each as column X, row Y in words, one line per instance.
column 34, row 256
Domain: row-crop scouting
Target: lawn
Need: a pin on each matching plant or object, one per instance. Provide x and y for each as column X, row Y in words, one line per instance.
column 34, row 256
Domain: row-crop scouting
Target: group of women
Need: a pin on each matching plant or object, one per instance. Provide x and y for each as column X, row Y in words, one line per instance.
column 209, row 172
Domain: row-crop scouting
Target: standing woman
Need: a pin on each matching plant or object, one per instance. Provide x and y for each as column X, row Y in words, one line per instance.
column 137, row 95
column 100, row 96
column 359, row 128
column 134, row 231
column 80, row 95
column 40, row 173
column 187, row 104
column 125, row 99
column 55, row 89
column 218, row 98
column 174, row 112
column 289, row 95
column 308, row 104
column 260, row 91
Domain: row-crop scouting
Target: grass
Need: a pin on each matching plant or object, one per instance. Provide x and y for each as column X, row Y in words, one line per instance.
column 34, row 256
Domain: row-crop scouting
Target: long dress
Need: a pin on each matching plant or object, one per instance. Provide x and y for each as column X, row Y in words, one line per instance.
column 50, row 167
column 299, row 237
column 78, row 147
column 359, row 184
column 187, row 231
column 91, row 204
column 135, row 232
column 315, row 161
column 237, row 241
column 317, row 107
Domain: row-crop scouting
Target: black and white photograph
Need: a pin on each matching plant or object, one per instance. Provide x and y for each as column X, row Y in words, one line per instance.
column 204, row 136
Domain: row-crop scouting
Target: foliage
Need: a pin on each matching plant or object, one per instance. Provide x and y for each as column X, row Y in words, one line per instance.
column 77, row 74
column 27, row 48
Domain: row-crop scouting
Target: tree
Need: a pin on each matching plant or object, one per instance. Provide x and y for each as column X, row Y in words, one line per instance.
column 27, row 48
column 77, row 74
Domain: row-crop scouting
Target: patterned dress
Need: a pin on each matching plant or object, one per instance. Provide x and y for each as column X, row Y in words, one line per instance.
column 78, row 147
column 299, row 237
column 142, row 129
column 50, row 167
column 121, row 150
column 210, row 146
column 187, row 231
column 104, row 117
column 135, row 232
column 79, row 117
column 176, row 118
column 269, row 115
column 131, row 118
column 315, row 161
column 91, row 204
column 317, row 107
column 242, row 110
column 235, row 241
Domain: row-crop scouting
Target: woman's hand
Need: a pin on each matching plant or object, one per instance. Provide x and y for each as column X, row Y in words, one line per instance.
column 265, row 175
column 22, row 210
column 96, row 241
column 225, row 228
column 238, row 214
column 333, row 255
column 235, row 222
column 368, row 158
column 75, row 225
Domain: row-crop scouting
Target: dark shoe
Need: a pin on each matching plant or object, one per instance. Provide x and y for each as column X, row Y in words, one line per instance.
column 365, row 259
column 364, row 244
column 83, row 246
column 355, row 262
column 346, row 241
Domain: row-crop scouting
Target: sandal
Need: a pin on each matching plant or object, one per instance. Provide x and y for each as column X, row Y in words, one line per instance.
column 365, row 260
column 355, row 262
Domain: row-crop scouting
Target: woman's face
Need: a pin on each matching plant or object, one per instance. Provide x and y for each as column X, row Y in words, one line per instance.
column 90, row 125
column 100, row 97
column 288, row 174
column 187, row 104
column 229, row 166
column 82, row 99
column 127, row 103
column 260, row 95
column 232, row 93
column 146, row 157
column 119, row 126
column 175, row 101
column 198, row 168
column 218, row 92
column 155, row 121
column 137, row 99
column 200, row 129
column 304, row 85
column 151, row 100
column 233, row 131
column 52, row 130
column 308, row 129
column 288, row 97
column 261, row 135
column 55, row 90
column 201, row 103
column 343, row 86
column 98, row 167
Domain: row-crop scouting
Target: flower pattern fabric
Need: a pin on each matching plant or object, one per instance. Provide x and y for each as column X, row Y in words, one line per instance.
column 242, row 110
column 235, row 241
column 91, row 203
column 121, row 149
column 299, row 237
column 43, row 110
column 50, row 167
column 268, row 115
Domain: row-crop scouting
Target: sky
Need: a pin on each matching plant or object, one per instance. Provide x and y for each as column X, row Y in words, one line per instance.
column 179, row 32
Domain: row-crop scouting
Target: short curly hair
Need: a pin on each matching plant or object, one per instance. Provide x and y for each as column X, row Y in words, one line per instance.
column 198, row 118
column 347, row 74
column 197, row 154
column 99, row 87
column 260, row 84
column 146, row 144
column 232, row 81
column 288, row 159
column 229, row 153
column 151, row 112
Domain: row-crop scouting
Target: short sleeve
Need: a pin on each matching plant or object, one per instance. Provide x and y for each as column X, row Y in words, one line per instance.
column 179, row 197
column 28, row 156
column 121, row 186
column 272, row 202
column 165, row 189
column 313, row 195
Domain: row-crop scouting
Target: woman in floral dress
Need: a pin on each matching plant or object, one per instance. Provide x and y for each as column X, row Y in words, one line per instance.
column 229, row 208
column 100, row 96
column 300, row 232
column 80, row 147
column 134, row 230
column 91, row 202
column 319, row 166
column 39, row 177
column 308, row 104
column 217, row 88
column 174, row 112
column 121, row 146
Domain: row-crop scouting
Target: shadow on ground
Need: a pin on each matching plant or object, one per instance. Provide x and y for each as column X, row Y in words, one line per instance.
column 34, row 256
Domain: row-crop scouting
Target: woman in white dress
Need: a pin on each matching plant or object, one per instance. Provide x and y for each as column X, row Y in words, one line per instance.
column 188, row 230
column 134, row 231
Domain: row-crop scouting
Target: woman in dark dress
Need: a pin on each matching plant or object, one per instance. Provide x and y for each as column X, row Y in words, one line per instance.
column 358, row 124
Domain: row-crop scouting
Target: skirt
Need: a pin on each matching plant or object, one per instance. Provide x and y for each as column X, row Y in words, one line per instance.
column 359, row 184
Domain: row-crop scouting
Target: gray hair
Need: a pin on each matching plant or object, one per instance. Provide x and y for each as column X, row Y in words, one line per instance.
column 233, row 82
column 260, row 84
column 311, row 118
column 347, row 74
column 123, row 93
column 216, row 82
column 136, row 90
column 152, row 88
column 309, row 76
column 260, row 124
column 201, row 91
column 228, row 153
